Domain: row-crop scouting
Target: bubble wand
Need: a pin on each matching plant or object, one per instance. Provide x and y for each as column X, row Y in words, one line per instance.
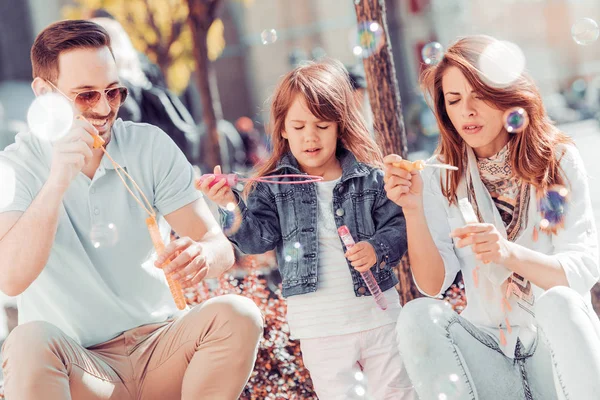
column 233, row 179
column 50, row 117
column 367, row 275
column 159, row 245
column 420, row 165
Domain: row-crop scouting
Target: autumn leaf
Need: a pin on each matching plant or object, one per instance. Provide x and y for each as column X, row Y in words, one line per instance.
column 215, row 39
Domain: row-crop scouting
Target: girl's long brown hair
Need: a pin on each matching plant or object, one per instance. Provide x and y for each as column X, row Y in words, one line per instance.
column 532, row 152
column 326, row 88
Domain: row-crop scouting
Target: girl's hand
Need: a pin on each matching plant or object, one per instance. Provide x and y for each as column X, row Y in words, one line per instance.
column 487, row 243
column 361, row 256
column 220, row 192
column 402, row 187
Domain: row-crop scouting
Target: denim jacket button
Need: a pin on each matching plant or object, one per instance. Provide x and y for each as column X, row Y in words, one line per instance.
column 341, row 188
column 339, row 212
column 362, row 290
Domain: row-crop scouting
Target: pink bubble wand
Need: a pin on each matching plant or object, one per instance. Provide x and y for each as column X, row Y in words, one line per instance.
column 367, row 275
column 233, row 179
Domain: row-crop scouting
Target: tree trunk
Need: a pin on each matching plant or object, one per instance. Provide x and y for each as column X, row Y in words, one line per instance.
column 596, row 298
column 201, row 16
column 387, row 110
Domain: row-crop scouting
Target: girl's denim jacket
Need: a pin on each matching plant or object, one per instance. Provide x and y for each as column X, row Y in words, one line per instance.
column 284, row 217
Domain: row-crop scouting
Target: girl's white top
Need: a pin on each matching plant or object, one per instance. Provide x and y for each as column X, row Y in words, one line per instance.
column 575, row 247
column 334, row 309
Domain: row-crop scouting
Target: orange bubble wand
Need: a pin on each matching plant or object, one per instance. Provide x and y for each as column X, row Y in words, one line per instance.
column 420, row 165
column 159, row 245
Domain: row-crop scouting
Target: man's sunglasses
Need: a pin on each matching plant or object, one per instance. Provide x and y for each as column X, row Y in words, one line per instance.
column 88, row 99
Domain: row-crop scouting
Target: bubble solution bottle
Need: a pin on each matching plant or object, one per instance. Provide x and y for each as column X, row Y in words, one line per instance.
column 367, row 275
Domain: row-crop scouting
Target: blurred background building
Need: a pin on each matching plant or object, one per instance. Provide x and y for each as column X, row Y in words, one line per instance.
column 250, row 65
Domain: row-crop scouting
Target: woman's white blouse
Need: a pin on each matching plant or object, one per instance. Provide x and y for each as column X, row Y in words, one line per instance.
column 575, row 246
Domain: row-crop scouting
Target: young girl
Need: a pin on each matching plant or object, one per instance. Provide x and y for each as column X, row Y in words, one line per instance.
column 317, row 130
column 529, row 257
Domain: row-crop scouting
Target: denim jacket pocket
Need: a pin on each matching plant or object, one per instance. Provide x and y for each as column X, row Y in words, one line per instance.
column 286, row 208
column 363, row 203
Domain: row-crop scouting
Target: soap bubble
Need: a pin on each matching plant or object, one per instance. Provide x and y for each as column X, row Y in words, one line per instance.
column 104, row 235
column 268, row 36
column 432, row 53
column 501, row 63
column 515, row 120
column 585, row 31
column 369, row 39
column 50, row 116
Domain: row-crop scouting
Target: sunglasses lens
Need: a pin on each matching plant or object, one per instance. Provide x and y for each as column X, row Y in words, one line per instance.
column 89, row 99
column 122, row 94
column 116, row 96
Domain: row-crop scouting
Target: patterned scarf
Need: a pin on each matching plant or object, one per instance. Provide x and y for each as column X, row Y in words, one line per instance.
column 509, row 193
column 511, row 197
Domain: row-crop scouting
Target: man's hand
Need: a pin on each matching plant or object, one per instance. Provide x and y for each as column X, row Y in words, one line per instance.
column 361, row 256
column 70, row 153
column 188, row 263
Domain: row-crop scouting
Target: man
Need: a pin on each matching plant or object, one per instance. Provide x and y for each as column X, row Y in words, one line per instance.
column 97, row 320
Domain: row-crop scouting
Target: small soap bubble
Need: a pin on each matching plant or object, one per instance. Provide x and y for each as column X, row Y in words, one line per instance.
column 360, row 390
column 432, row 53
column 585, row 31
column 268, row 36
column 368, row 39
column 515, row 120
column 563, row 192
column 104, row 235
column 449, row 387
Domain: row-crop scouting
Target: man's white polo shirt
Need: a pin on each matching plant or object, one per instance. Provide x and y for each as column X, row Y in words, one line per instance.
column 100, row 278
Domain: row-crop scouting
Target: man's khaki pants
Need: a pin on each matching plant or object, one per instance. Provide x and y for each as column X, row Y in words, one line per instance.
column 208, row 353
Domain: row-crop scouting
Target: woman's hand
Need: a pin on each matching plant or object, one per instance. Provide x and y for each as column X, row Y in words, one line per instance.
column 487, row 243
column 402, row 187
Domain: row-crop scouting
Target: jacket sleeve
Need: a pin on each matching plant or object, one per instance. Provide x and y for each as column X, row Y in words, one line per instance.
column 389, row 240
column 259, row 230
column 576, row 245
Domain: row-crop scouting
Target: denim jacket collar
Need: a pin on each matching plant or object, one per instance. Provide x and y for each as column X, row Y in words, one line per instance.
column 351, row 168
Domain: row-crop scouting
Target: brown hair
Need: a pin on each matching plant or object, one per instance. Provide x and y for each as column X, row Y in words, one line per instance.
column 61, row 37
column 326, row 88
column 532, row 152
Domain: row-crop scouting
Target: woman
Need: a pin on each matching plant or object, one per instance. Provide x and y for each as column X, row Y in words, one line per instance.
column 529, row 330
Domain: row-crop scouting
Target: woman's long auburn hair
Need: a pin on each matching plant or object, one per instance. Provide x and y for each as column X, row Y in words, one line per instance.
column 326, row 88
column 533, row 152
